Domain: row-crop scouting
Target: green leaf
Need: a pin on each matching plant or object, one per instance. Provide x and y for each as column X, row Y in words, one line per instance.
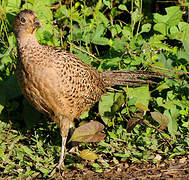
column 27, row 150
column 84, row 115
column 146, row 28
column 161, row 27
column 110, row 63
column 186, row 46
column 136, row 16
column 13, row 5
column 1, row 108
column 172, row 125
column 105, row 107
column 162, row 87
column 116, row 29
column 180, row 32
column 112, row 135
column 97, row 35
column 101, row 41
column 172, row 18
column 88, row 155
column 119, row 45
column 2, row 154
column 118, row 103
column 127, row 32
column 166, row 104
column 101, row 18
column 44, row 170
column 136, row 93
column 107, row 3
column 164, row 22
column 109, row 104
column 88, row 132
column 123, row 7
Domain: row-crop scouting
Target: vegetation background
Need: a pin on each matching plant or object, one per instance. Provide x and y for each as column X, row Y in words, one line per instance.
column 142, row 124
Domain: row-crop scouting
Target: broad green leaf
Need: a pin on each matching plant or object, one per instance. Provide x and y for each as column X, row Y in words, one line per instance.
column 101, row 41
column 166, row 104
column 172, row 18
column 186, row 46
column 88, row 155
column 105, row 107
column 118, row 103
column 172, row 125
column 12, row 41
column 122, row 7
column 109, row 104
column 127, row 32
column 61, row 12
column 119, row 45
column 88, row 132
column 183, row 55
column 142, row 94
column 161, row 27
column 180, row 32
column 100, row 31
column 114, row 11
column 164, row 22
column 101, row 18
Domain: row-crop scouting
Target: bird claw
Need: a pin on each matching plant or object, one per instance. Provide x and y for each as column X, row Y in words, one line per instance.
column 57, row 169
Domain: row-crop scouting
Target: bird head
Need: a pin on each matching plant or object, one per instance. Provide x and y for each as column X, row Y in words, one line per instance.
column 26, row 22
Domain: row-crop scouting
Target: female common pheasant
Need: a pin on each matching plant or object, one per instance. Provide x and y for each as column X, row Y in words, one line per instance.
column 56, row 82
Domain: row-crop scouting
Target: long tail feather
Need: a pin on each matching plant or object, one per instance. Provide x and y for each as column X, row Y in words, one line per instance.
column 136, row 78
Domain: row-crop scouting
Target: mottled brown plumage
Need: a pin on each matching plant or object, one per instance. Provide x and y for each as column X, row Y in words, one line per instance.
column 56, row 82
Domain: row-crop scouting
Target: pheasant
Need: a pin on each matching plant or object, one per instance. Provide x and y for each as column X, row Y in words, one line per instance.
column 59, row 84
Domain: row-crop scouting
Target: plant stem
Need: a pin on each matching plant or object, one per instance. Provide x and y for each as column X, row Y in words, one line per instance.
column 71, row 27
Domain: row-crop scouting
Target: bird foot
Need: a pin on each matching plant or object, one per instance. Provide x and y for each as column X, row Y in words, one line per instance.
column 74, row 149
column 57, row 169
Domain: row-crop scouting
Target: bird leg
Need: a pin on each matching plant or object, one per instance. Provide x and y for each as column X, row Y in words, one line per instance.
column 61, row 160
column 73, row 145
column 64, row 124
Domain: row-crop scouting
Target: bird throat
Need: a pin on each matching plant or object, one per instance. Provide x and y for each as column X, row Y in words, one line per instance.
column 24, row 40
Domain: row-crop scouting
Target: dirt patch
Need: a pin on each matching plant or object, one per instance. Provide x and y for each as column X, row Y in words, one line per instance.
column 176, row 169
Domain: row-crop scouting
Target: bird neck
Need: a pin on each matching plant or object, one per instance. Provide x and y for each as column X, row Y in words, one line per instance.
column 26, row 40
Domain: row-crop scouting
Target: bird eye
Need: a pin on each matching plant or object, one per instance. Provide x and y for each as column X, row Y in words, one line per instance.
column 22, row 20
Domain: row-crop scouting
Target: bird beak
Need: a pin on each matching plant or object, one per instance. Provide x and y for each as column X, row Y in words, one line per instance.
column 37, row 24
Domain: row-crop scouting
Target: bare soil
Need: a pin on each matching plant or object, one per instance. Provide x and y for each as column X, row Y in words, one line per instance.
column 176, row 169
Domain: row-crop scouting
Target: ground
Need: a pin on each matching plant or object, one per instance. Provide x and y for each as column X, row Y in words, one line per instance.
column 174, row 169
